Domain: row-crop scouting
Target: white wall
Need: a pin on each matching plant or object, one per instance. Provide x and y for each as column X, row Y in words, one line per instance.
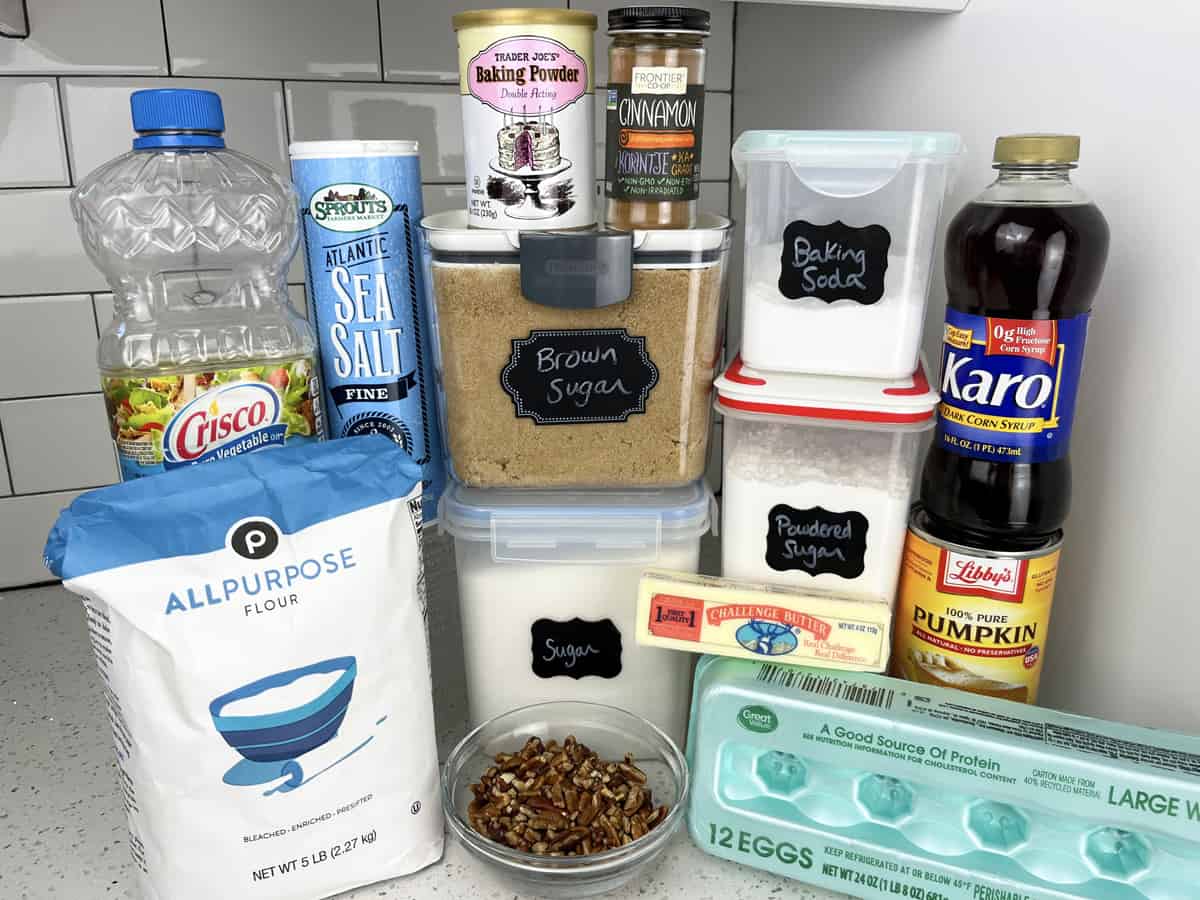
column 1122, row 75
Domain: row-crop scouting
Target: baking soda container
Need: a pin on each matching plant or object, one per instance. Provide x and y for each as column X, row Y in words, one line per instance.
column 840, row 231
column 548, row 585
column 971, row 619
column 818, row 474
column 204, row 358
column 527, row 90
column 361, row 208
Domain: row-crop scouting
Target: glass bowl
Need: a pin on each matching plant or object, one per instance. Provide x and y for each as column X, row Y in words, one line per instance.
column 611, row 733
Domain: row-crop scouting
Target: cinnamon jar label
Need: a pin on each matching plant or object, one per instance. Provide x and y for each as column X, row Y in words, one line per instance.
column 653, row 135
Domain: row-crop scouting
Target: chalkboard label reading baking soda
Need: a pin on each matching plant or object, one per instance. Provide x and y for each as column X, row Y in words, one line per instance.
column 816, row 541
column 579, row 377
column 576, row 648
column 362, row 204
column 834, row 262
column 654, row 134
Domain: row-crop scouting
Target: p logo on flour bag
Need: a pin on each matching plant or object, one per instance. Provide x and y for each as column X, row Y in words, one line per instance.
column 259, row 626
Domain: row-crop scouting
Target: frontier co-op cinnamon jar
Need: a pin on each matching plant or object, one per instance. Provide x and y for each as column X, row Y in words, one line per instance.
column 655, row 116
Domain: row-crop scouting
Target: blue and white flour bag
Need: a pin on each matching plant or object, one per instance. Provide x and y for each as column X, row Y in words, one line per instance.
column 259, row 627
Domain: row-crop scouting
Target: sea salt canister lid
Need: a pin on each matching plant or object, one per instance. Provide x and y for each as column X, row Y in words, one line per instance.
column 743, row 391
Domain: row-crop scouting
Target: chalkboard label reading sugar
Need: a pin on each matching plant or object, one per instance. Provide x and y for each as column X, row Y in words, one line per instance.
column 834, row 262
column 816, row 541
column 579, row 377
column 576, row 648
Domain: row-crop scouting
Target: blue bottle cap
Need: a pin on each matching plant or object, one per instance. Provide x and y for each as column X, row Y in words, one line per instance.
column 175, row 117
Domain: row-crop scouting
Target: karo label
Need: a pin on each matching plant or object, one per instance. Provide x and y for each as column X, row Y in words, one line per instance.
column 1009, row 386
column 1021, row 337
column 974, row 576
column 223, row 423
column 527, row 75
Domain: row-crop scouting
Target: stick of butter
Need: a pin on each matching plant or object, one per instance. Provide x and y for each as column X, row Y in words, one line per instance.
column 701, row 614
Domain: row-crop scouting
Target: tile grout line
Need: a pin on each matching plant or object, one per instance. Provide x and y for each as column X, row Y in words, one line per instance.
column 379, row 28
column 67, row 396
column 7, row 462
column 287, row 118
column 162, row 10
column 64, row 490
column 62, row 120
column 95, row 315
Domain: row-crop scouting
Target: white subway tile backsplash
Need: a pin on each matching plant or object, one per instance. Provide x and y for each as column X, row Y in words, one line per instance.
column 718, row 74
column 436, row 198
column 714, row 141
column 298, row 294
column 419, row 43
column 32, row 150
column 56, row 443
column 274, row 38
column 39, row 246
column 95, row 36
column 99, row 126
column 5, row 483
column 714, row 197
column 429, row 114
column 49, row 346
column 24, row 524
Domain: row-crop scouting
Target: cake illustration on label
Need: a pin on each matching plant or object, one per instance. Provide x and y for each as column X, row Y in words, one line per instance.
column 529, row 144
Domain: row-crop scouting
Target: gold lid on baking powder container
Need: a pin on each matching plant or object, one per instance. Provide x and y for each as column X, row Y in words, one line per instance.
column 524, row 16
column 1037, row 149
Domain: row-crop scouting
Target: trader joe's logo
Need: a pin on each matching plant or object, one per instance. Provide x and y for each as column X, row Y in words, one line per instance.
column 350, row 207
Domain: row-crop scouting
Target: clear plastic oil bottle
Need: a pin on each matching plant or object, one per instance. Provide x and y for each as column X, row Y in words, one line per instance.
column 204, row 358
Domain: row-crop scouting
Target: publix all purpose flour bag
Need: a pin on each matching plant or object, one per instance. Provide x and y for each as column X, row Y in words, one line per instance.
column 259, row 629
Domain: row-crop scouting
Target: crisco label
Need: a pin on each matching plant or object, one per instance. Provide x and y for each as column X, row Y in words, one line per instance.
column 973, row 621
column 1009, row 386
column 167, row 421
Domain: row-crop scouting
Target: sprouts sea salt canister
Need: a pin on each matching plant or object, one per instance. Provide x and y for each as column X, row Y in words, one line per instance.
column 528, row 125
column 818, row 475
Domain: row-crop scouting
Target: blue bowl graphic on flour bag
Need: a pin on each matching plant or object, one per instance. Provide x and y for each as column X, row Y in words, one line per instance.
column 293, row 730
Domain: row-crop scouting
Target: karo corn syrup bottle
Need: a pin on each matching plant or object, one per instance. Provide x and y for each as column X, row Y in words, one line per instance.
column 204, row 358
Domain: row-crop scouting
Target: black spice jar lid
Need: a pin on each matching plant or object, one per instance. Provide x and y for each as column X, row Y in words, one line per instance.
column 658, row 18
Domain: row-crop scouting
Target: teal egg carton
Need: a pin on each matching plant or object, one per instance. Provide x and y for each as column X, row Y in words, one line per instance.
column 882, row 789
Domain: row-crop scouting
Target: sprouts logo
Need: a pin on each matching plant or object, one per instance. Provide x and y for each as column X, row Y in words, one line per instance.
column 223, row 423
column 350, row 207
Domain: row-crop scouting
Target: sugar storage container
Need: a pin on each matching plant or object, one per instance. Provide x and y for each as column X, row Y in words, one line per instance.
column 576, row 359
column 548, row 585
column 840, row 232
column 818, row 473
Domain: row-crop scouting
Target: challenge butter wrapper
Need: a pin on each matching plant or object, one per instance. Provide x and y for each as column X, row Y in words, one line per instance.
column 724, row 617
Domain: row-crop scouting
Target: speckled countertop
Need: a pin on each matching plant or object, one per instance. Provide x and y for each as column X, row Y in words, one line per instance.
column 62, row 827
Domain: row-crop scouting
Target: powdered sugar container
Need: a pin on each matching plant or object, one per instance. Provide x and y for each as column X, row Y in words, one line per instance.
column 548, row 586
column 840, row 233
column 204, row 358
column 818, row 475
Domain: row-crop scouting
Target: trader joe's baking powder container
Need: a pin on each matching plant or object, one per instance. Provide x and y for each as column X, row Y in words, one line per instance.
column 526, row 80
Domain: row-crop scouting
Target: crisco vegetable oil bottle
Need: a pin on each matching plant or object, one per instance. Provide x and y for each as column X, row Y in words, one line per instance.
column 204, row 358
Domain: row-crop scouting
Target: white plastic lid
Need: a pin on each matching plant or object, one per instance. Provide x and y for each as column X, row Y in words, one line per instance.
column 339, row 149
column 577, row 526
column 449, row 233
column 747, row 393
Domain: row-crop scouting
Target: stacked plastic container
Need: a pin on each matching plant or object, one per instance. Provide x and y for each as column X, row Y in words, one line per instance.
column 825, row 404
column 576, row 373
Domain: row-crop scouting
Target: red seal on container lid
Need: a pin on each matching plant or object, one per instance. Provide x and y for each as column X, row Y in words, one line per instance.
column 746, row 392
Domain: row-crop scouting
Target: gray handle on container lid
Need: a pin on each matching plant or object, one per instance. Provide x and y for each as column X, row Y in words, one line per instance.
column 577, row 270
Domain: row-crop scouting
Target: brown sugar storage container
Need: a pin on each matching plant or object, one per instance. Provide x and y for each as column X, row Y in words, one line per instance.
column 576, row 359
column 655, row 107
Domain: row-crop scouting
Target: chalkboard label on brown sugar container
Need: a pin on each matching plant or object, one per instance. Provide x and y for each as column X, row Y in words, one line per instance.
column 816, row 541
column 575, row 648
column 578, row 377
column 834, row 262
